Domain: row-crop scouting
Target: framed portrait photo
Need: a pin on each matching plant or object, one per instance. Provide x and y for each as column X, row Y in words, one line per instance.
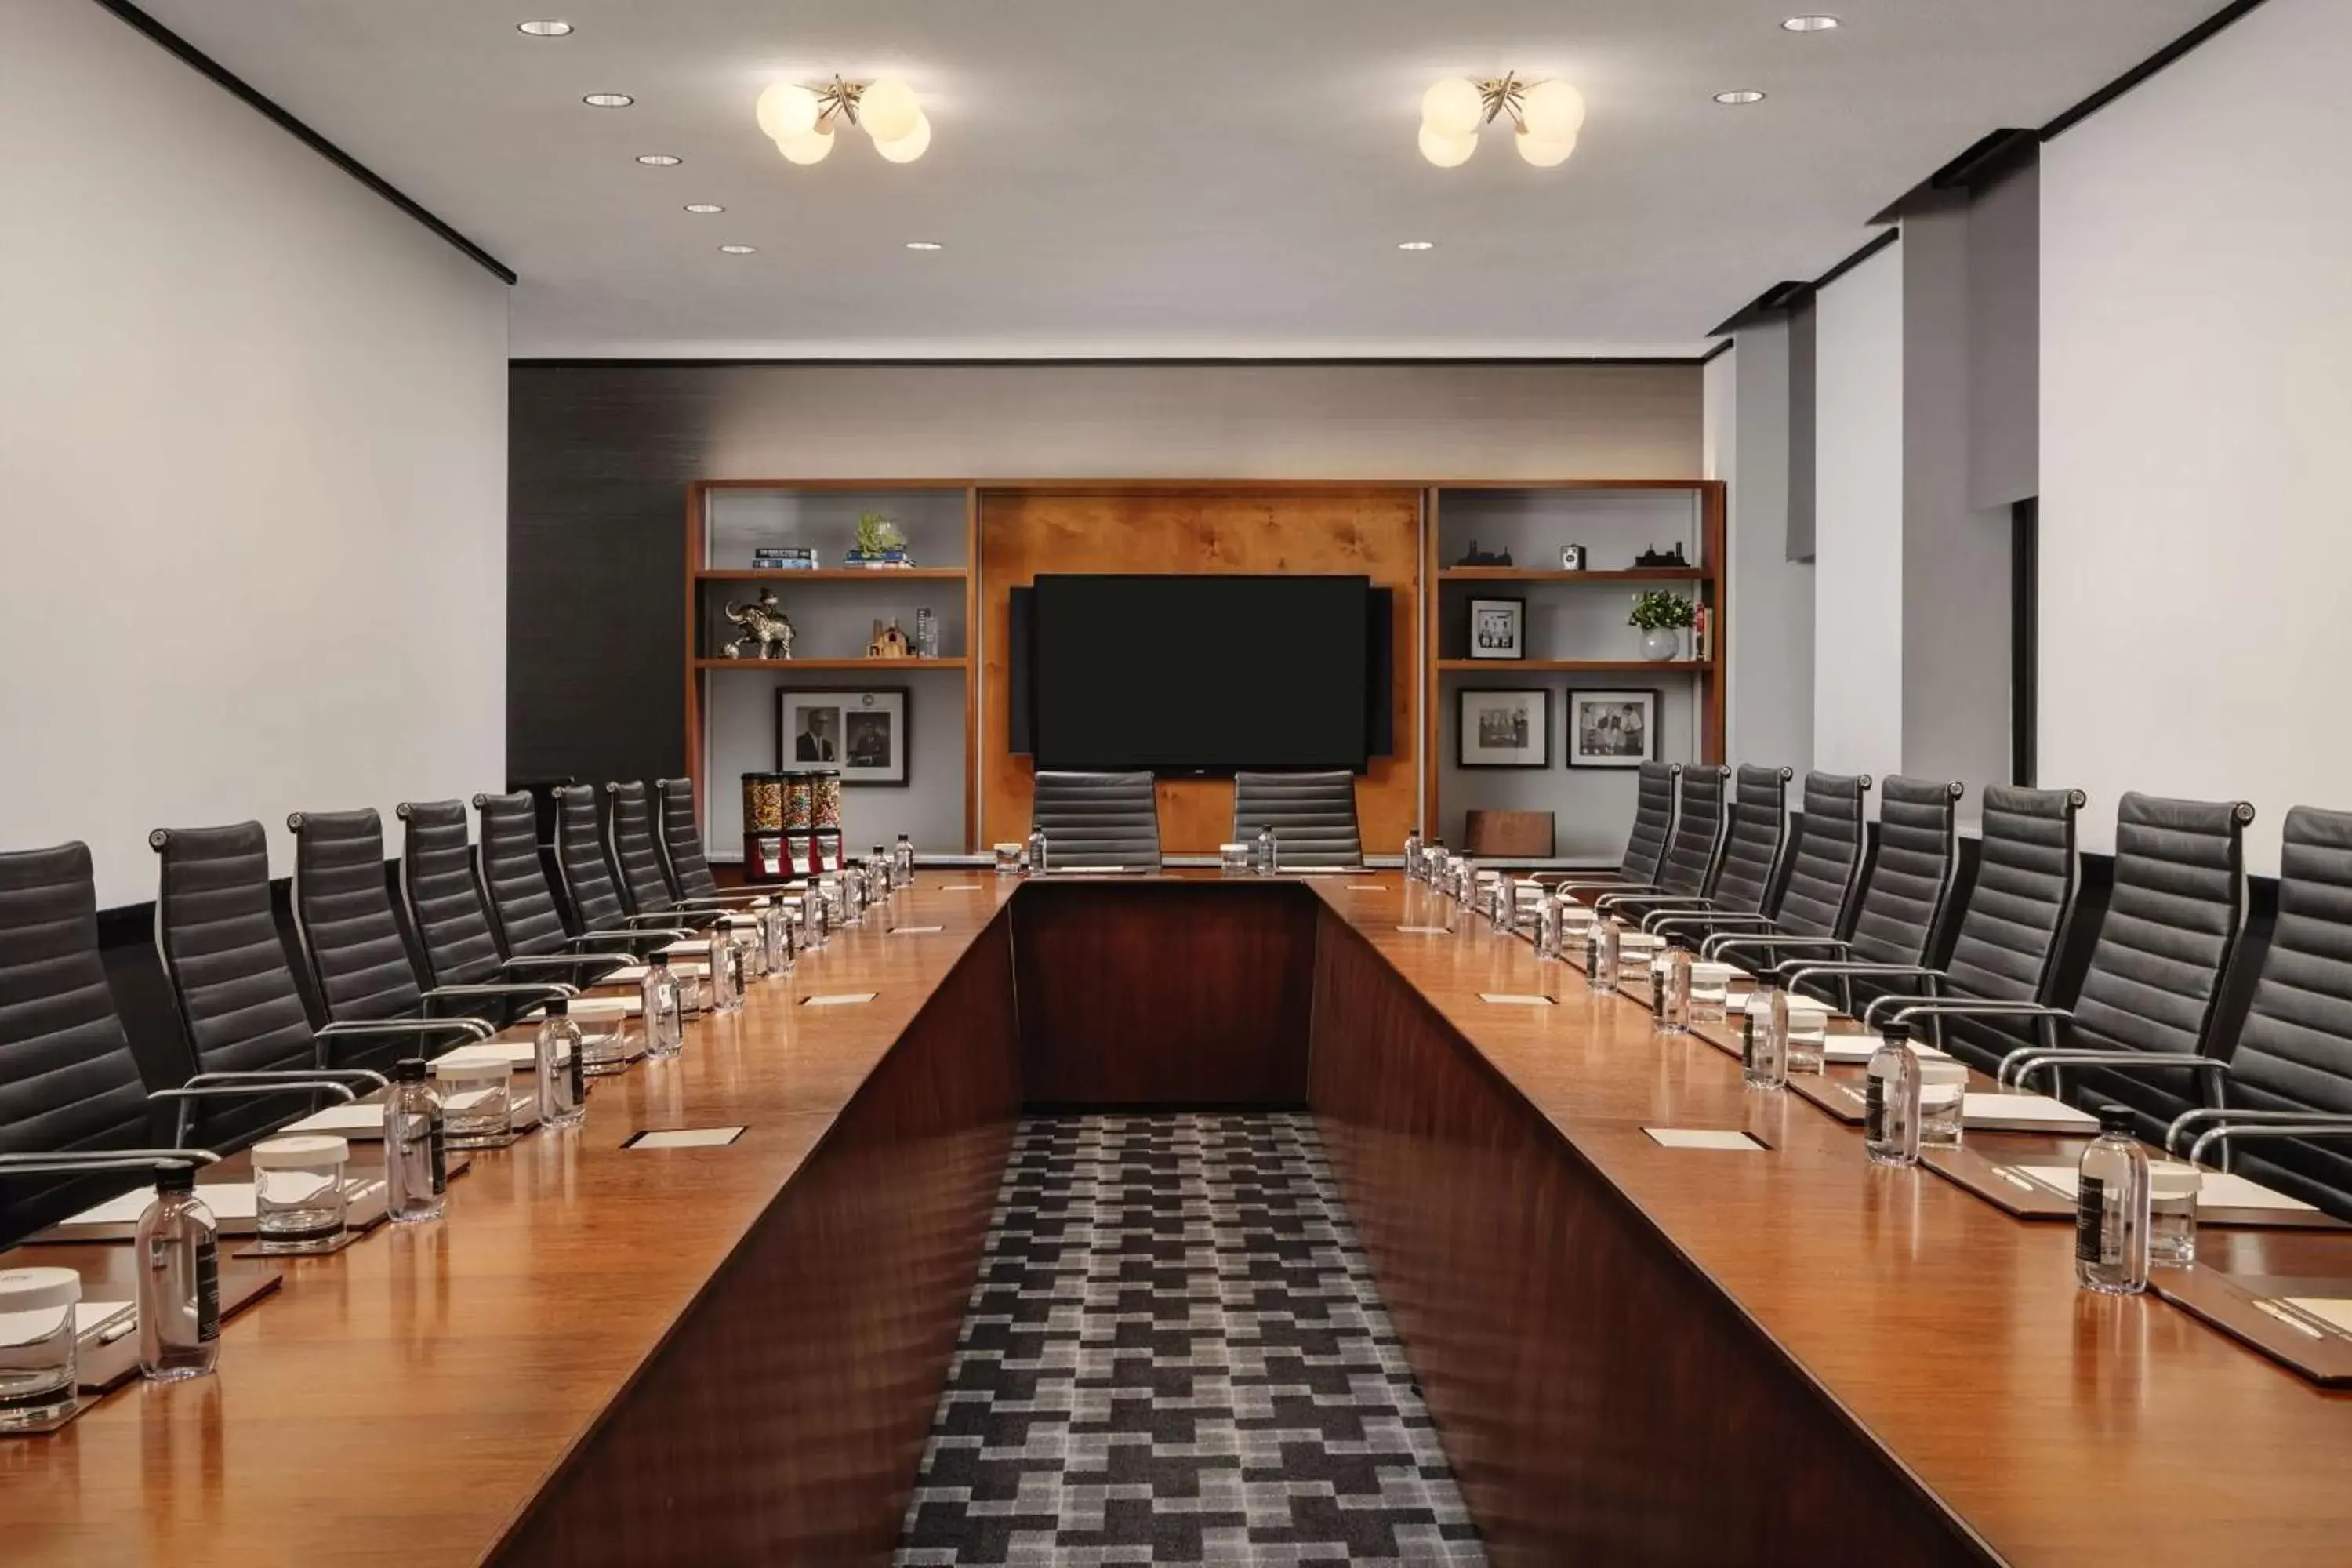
column 1611, row 729
column 861, row 732
column 1498, row 629
column 1503, row 728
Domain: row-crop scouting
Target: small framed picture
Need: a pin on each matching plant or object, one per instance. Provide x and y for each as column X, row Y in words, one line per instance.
column 1611, row 729
column 1572, row 558
column 1496, row 729
column 861, row 732
column 1498, row 629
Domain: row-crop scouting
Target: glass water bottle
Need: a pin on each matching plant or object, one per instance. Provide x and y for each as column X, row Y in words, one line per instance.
column 1890, row 1103
column 415, row 1146
column 1269, row 853
column 726, row 973
column 902, row 862
column 1672, row 990
column 2111, row 1209
column 1411, row 854
column 664, row 1022
column 562, row 1068
column 812, row 918
column 1600, row 975
column 1764, row 1041
column 178, row 1253
column 1038, row 851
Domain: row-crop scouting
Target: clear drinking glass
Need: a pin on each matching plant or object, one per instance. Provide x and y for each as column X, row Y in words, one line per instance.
column 299, row 1203
column 1710, row 992
column 36, row 1344
column 1942, row 1090
column 1233, row 859
column 1636, row 951
column 1809, row 1031
column 1008, row 859
column 2172, row 1190
column 476, row 1104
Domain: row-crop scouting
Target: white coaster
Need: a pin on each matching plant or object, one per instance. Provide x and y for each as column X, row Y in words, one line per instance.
column 961, row 888
column 1424, row 930
column 917, row 931
column 686, row 1138
column 1701, row 1138
column 1366, row 888
column 1513, row 999
column 837, row 999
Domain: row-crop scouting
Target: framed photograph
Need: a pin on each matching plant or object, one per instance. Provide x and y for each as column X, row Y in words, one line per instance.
column 861, row 732
column 1497, row 729
column 1611, row 729
column 1498, row 629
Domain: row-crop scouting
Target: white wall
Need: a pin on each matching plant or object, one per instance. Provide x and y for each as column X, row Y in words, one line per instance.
column 1858, row 520
column 252, row 467
column 2196, row 400
column 1768, row 702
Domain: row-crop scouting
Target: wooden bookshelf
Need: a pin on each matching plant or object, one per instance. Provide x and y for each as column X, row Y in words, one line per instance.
column 1574, row 666
column 840, row 574
column 1554, row 574
column 863, row 665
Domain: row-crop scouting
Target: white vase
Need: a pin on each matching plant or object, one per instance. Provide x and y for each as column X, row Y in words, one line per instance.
column 1661, row 643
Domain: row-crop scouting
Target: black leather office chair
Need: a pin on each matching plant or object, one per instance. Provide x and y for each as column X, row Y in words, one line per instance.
column 236, row 992
column 455, row 940
column 1687, row 868
column 679, row 840
column 586, row 870
column 523, row 912
column 358, row 959
column 1818, row 896
column 2140, row 1032
column 2007, row 946
column 1654, row 788
column 1099, row 819
column 644, row 879
column 1313, row 816
column 1750, row 866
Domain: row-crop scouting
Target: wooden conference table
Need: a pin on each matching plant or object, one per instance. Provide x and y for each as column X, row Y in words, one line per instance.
column 1635, row 1353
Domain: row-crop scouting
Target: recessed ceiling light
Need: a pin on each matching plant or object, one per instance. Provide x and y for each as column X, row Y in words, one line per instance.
column 924, row 244
column 608, row 101
column 1810, row 24
column 1416, row 244
column 544, row 29
column 739, row 249
column 1745, row 95
column 660, row 160
column 704, row 207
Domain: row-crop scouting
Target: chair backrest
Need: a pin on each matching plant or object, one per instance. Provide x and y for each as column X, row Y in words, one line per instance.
column 687, row 867
column 2007, row 948
column 582, row 863
column 445, row 904
column 1760, row 831
column 1654, row 821
column 1688, row 866
column 1826, row 864
column 629, row 827
column 1313, row 816
column 1099, row 820
column 226, row 963
column 514, row 883
column 2164, row 947
column 1910, row 880
column 67, row 1079
column 344, row 919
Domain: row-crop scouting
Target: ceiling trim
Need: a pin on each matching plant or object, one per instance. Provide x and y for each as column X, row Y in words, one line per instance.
column 1106, row 362
column 222, row 76
column 1784, row 296
column 2147, row 68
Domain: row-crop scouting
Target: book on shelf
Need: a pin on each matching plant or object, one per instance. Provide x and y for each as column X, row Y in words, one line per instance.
column 783, row 558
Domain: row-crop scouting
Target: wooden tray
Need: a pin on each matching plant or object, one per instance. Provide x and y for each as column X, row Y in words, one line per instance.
column 2229, row 1303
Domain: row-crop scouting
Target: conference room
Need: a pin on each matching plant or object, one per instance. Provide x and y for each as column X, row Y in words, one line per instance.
column 1337, row 783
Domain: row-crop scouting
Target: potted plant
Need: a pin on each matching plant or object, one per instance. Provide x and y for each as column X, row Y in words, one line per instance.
column 1661, row 617
column 879, row 542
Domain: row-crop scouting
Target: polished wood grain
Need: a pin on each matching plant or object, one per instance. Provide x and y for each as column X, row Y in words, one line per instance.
column 1164, row 992
column 1372, row 530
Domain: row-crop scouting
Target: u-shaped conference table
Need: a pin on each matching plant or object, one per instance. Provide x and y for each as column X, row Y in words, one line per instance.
column 1635, row 1353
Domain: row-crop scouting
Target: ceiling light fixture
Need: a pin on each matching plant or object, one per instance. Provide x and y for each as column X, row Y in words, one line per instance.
column 704, row 207
column 660, row 160
column 608, row 101
column 1809, row 24
column 925, row 245
column 1416, row 244
column 1743, row 95
column 801, row 120
column 545, row 29
column 1546, row 117
column 739, row 249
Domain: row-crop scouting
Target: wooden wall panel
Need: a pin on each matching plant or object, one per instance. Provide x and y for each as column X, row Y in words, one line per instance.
column 1371, row 530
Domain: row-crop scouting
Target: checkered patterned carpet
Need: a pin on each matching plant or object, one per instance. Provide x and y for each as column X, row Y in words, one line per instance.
column 1175, row 1354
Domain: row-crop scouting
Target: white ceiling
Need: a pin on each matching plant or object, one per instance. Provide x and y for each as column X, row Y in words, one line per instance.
column 1189, row 177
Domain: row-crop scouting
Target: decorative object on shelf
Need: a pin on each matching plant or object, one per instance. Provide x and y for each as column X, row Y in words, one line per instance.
column 1498, row 629
column 763, row 622
column 764, row 827
column 1653, row 556
column 880, row 543
column 783, row 558
column 861, row 733
column 888, row 642
column 1500, row 728
column 1661, row 616
column 1508, row 835
column 1572, row 558
column 1703, row 633
column 1611, row 729
column 1474, row 556
column 1546, row 117
column 801, row 120
column 926, row 634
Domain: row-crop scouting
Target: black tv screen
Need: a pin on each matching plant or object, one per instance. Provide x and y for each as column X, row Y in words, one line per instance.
column 1203, row 673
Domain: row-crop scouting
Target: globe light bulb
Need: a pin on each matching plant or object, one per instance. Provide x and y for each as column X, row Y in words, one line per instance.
column 1446, row 151
column 1552, row 111
column 889, row 110
column 909, row 147
column 1453, row 109
column 786, row 110
column 809, row 147
column 1541, row 153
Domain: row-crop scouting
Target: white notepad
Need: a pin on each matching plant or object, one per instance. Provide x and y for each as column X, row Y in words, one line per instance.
column 90, row 1316
column 2215, row 1191
column 359, row 1120
column 681, row 949
column 598, row 1007
column 510, row 1054
column 1514, row 999
column 837, row 999
column 227, row 1200
column 1424, row 930
column 2040, row 1110
column 1086, row 871
column 1366, row 888
column 960, row 888
column 627, row 975
column 917, row 931
column 687, row 1138
column 2335, row 1311
column 1854, row 1048
column 1701, row 1138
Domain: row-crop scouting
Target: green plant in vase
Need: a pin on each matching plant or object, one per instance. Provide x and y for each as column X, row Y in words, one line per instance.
column 879, row 539
column 1660, row 617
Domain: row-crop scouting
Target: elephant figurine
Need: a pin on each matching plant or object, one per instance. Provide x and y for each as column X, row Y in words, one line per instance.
column 763, row 623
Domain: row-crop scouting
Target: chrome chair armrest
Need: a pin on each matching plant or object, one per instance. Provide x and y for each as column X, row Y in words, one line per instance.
column 473, row 1029
column 2203, row 1113
column 542, row 989
column 368, row 1078
column 1659, row 909
column 2314, row 1126
column 1797, row 971
column 1767, row 941
column 253, row 1086
column 2022, row 1065
column 72, row 1161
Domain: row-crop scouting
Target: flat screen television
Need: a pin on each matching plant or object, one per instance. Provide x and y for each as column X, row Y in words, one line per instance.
column 1200, row 673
